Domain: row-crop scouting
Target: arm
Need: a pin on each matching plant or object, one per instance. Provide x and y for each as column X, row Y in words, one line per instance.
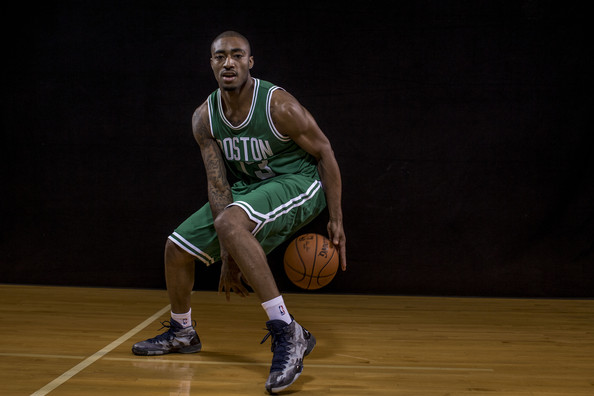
column 293, row 120
column 219, row 195
column 219, row 191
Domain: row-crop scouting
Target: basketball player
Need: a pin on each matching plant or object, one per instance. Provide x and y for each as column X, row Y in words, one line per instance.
column 286, row 175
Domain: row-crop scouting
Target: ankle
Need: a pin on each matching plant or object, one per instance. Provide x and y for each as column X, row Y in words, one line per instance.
column 277, row 310
column 184, row 319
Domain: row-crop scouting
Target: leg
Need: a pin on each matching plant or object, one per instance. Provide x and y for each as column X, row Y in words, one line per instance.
column 290, row 342
column 234, row 229
column 179, row 275
column 197, row 235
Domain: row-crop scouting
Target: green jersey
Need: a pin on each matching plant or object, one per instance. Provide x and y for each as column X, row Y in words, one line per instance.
column 279, row 188
column 255, row 150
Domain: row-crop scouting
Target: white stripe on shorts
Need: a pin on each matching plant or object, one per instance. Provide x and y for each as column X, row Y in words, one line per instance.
column 188, row 247
column 261, row 219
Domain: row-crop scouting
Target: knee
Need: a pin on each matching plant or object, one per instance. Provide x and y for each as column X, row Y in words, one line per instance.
column 176, row 255
column 223, row 224
column 232, row 220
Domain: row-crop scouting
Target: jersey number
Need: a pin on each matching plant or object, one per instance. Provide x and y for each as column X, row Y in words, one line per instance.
column 264, row 173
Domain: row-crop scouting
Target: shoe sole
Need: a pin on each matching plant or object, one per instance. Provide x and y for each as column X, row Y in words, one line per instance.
column 188, row 349
column 272, row 391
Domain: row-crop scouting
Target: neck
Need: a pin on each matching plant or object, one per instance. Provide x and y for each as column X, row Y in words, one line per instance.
column 236, row 103
column 240, row 96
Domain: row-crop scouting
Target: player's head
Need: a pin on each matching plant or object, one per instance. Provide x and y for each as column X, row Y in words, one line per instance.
column 231, row 60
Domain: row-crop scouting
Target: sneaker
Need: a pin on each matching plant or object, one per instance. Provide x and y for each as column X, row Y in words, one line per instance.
column 290, row 344
column 176, row 339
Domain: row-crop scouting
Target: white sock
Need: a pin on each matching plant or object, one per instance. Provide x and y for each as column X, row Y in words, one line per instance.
column 184, row 319
column 276, row 309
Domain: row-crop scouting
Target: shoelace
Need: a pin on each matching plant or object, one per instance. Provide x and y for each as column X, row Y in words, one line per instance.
column 279, row 348
column 170, row 333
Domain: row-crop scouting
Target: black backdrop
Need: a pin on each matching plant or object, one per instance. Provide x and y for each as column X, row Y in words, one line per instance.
column 460, row 127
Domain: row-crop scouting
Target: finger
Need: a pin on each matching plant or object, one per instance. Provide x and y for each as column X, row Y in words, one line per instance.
column 224, row 287
column 242, row 291
column 343, row 262
column 221, row 286
column 330, row 233
column 341, row 246
column 240, row 288
column 334, row 236
column 242, row 277
column 241, row 284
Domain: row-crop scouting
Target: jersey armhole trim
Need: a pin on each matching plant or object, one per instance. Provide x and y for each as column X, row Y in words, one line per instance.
column 210, row 115
column 277, row 134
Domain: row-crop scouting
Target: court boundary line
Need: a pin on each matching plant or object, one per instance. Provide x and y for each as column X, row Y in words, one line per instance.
column 98, row 355
column 42, row 355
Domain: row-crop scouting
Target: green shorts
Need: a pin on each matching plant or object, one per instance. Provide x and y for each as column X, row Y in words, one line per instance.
column 279, row 206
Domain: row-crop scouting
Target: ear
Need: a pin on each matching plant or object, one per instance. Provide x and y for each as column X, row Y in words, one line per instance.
column 251, row 63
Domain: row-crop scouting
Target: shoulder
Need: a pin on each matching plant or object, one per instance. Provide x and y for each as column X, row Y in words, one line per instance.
column 200, row 114
column 288, row 115
column 202, row 111
column 200, row 122
column 284, row 105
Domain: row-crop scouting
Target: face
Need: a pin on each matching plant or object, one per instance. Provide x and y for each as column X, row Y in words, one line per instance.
column 231, row 62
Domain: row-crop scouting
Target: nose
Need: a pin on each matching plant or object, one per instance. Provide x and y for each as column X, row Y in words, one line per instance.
column 228, row 62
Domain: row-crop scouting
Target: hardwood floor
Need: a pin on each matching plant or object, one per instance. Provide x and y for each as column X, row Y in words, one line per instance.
column 76, row 341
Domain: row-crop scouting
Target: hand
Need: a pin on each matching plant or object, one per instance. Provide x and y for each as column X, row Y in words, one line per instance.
column 336, row 235
column 231, row 277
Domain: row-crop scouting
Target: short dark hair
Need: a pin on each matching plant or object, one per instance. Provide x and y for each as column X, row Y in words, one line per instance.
column 232, row 33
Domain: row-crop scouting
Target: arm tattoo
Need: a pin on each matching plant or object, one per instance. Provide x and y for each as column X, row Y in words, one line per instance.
column 219, row 191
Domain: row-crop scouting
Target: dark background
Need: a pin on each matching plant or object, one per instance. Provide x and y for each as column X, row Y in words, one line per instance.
column 462, row 129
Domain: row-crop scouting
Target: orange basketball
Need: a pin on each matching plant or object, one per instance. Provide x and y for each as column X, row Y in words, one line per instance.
column 311, row 261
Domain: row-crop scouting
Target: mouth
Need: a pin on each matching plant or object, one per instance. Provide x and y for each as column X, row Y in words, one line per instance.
column 228, row 76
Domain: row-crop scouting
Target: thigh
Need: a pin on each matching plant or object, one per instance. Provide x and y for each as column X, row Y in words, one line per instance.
column 280, row 206
column 197, row 236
